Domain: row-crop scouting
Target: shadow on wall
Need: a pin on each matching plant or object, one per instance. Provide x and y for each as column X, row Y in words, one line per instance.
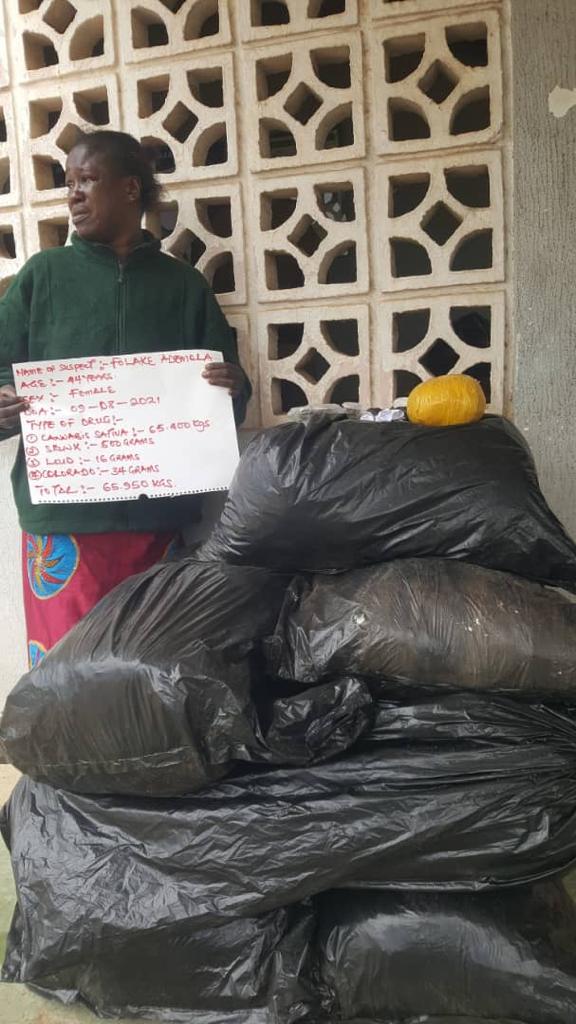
column 213, row 503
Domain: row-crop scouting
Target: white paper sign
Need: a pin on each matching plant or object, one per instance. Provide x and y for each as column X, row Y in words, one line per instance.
column 117, row 427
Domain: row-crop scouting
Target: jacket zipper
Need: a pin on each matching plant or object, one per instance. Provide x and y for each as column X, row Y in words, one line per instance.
column 121, row 303
column 120, row 311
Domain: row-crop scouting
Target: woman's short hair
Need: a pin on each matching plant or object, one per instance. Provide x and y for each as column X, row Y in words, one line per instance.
column 127, row 158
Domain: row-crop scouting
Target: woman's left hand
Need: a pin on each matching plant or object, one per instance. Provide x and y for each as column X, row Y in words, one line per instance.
column 225, row 375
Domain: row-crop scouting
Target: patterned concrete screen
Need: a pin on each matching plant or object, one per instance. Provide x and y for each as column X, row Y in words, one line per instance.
column 335, row 168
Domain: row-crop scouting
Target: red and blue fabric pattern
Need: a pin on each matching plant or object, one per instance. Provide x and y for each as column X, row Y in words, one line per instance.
column 65, row 576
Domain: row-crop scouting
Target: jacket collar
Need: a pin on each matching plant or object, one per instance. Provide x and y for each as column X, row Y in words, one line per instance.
column 149, row 246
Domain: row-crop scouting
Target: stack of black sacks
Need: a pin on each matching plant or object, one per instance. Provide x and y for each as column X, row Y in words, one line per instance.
column 324, row 769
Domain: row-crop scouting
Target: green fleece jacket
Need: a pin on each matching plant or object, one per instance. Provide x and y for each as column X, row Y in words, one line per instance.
column 79, row 301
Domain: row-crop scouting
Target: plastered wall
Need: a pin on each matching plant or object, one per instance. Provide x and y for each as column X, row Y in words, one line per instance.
column 543, row 231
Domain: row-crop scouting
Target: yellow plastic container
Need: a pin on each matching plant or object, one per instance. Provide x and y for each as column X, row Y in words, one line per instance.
column 446, row 401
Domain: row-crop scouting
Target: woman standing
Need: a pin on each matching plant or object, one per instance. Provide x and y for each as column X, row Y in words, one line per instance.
column 111, row 291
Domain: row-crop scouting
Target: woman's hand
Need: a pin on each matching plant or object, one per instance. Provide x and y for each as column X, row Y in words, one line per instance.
column 225, row 375
column 10, row 407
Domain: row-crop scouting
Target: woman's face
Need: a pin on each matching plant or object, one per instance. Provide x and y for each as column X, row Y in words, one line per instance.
column 103, row 206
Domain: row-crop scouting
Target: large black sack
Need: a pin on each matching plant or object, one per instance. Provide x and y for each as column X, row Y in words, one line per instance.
column 430, row 622
column 138, row 729
column 400, row 958
column 164, row 610
column 243, row 971
column 460, row 793
column 131, row 702
column 329, row 495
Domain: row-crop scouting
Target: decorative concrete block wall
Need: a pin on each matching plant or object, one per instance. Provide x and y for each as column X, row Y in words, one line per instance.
column 333, row 167
column 437, row 83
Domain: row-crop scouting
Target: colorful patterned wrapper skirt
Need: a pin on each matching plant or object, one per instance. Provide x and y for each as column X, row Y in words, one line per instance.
column 65, row 576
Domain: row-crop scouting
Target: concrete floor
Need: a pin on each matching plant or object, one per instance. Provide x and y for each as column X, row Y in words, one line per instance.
column 17, row 1005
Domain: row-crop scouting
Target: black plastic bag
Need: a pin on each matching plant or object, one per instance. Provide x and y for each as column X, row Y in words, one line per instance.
column 460, row 793
column 125, row 727
column 140, row 907
column 243, row 971
column 430, row 622
column 330, row 495
column 131, row 702
column 401, row 958
column 173, row 605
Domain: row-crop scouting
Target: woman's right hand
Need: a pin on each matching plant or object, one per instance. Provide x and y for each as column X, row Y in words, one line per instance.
column 10, row 407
